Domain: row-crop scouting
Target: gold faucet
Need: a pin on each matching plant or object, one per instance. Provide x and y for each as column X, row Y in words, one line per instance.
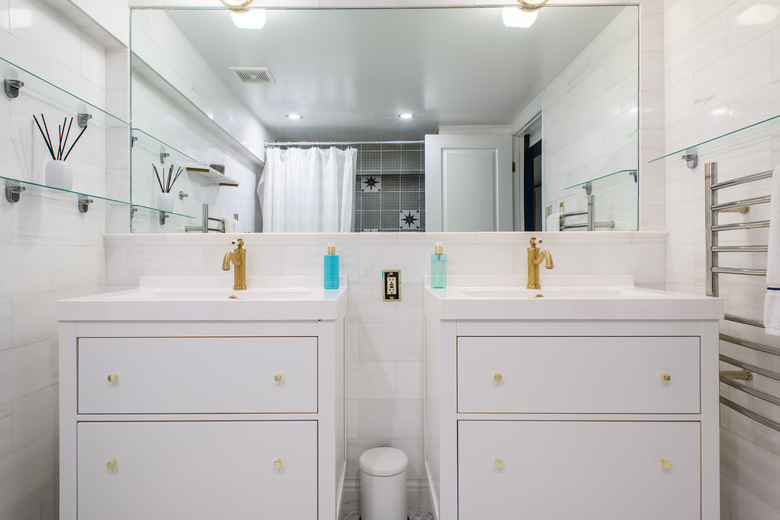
column 238, row 257
column 535, row 257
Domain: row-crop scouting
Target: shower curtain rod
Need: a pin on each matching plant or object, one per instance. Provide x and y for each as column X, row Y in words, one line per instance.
column 266, row 144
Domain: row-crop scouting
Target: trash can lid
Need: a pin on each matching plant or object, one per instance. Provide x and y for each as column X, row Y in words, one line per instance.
column 383, row 462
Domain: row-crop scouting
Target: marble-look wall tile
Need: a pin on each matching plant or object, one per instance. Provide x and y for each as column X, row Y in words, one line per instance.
column 24, row 370
column 731, row 70
column 27, row 468
column 34, row 416
column 6, row 432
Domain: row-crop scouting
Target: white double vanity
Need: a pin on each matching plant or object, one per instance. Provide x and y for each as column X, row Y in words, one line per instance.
column 592, row 399
column 203, row 403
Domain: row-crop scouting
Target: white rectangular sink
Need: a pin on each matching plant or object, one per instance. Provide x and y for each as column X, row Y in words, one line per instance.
column 573, row 293
column 564, row 298
column 175, row 294
column 212, row 298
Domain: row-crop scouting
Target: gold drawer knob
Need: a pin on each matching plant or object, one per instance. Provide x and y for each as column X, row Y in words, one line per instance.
column 112, row 377
column 499, row 463
column 497, row 377
column 111, row 464
column 666, row 464
column 666, row 377
column 278, row 463
column 277, row 377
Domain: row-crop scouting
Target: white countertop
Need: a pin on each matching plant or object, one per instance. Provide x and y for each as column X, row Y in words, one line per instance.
column 208, row 298
column 563, row 298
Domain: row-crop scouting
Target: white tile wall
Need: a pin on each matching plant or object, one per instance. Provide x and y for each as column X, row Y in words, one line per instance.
column 590, row 130
column 720, row 77
column 48, row 250
column 384, row 340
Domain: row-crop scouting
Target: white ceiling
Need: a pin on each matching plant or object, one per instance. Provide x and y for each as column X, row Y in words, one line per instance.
column 350, row 72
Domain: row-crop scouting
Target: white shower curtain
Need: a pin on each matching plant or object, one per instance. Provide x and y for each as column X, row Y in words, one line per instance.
column 307, row 190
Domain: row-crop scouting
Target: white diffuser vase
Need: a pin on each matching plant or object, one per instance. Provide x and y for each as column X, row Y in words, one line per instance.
column 59, row 174
column 165, row 202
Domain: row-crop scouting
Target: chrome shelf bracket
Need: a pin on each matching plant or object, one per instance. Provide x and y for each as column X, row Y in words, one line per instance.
column 13, row 192
column 84, row 203
column 691, row 158
column 83, row 119
column 12, row 87
column 163, row 217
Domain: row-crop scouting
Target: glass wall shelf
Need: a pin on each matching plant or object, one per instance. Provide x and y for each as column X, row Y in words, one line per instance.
column 44, row 90
column 614, row 175
column 156, row 146
column 745, row 133
column 14, row 194
column 139, row 68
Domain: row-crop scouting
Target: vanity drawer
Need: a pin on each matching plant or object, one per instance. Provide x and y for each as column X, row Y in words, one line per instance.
column 197, row 375
column 578, row 374
column 553, row 470
column 197, row 470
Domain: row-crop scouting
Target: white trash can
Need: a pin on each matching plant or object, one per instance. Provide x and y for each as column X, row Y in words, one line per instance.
column 383, row 484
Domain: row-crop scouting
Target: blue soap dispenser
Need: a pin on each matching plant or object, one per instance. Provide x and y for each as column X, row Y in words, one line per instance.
column 331, row 268
column 438, row 267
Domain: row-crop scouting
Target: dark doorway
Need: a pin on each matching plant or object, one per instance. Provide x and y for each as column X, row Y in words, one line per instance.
column 532, row 184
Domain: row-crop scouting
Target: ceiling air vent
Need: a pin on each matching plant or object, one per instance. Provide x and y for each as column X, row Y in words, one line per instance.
column 254, row 75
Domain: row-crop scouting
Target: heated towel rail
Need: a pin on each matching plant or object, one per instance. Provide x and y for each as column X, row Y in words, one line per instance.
column 715, row 207
column 205, row 221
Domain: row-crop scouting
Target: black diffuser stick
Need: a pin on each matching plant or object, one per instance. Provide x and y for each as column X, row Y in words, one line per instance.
column 178, row 172
column 44, row 137
column 59, row 146
column 157, row 174
column 65, row 142
column 168, row 182
column 74, row 143
column 48, row 137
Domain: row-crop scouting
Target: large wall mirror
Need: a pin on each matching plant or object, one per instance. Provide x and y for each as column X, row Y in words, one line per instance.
column 384, row 120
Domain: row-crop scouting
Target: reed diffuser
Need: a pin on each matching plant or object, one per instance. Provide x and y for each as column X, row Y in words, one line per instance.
column 166, row 182
column 59, row 174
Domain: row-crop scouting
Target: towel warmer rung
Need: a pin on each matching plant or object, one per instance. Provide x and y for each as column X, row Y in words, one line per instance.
column 739, row 204
column 740, row 249
column 751, row 414
column 741, row 180
column 750, row 344
column 771, row 374
column 739, row 270
column 743, row 320
column 741, row 225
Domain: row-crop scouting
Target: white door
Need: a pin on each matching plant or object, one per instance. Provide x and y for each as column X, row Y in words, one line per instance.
column 468, row 182
column 197, row 470
column 570, row 470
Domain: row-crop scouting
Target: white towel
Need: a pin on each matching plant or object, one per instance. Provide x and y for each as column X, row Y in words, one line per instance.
column 231, row 225
column 772, row 299
column 554, row 222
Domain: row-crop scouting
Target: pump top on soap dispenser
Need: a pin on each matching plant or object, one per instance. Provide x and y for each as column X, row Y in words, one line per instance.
column 438, row 267
column 331, row 268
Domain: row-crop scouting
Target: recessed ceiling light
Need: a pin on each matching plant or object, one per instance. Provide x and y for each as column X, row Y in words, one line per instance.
column 249, row 18
column 294, row 116
column 517, row 17
column 406, row 115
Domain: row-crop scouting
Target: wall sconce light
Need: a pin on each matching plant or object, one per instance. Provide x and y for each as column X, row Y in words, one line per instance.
column 523, row 16
column 240, row 5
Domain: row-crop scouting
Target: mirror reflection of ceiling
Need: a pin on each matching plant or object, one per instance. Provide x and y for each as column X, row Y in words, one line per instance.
column 351, row 72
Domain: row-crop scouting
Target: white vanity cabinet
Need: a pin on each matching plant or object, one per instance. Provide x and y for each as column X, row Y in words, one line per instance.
column 550, row 418
column 199, row 418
